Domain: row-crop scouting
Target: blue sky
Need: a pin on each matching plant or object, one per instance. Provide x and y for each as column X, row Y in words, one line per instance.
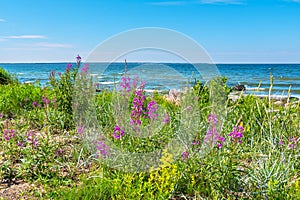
column 231, row 31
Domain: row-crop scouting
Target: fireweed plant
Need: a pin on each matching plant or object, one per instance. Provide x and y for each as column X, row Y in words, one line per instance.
column 143, row 112
column 255, row 155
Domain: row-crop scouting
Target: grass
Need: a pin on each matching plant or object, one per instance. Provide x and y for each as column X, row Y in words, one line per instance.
column 55, row 157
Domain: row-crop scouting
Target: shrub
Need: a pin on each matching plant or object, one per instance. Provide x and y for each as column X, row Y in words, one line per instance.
column 6, row 77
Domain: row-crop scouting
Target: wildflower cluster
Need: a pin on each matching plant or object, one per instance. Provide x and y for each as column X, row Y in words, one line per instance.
column 212, row 136
column 118, row 132
column 85, row 68
column 166, row 119
column 139, row 109
column 8, row 134
column 237, row 134
column 152, row 110
column 32, row 138
column 125, row 84
column 293, row 142
column 46, row 101
column 102, row 149
column 68, row 68
column 164, row 179
column 185, row 155
column 80, row 130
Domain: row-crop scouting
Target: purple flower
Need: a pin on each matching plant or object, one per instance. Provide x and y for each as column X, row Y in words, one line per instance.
column 135, row 122
column 135, row 82
column 80, row 130
column 118, row 132
column 59, row 152
column 19, row 144
column 185, row 155
column 188, row 108
column 125, row 84
column 69, row 67
column 52, row 73
column 196, row 142
column 237, row 134
column 151, row 110
column 212, row 136
column 1, row 115
column 137, row 108
column 8, row 134
column 102, row 149
column 293, row 142
column 34, row 104
column 280, row 142
column 166, row 119
column 78, row 58
column 45, row 100
column 213, row 119
column 85, row 68
column 32, row 138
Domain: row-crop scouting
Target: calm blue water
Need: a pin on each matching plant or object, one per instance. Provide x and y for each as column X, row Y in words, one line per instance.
column 159, row 76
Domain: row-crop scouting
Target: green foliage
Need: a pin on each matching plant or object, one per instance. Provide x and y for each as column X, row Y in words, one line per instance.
column 63, row 88
column 212, row 92
column 16, row 96
column 6, row 77
column 265, row 165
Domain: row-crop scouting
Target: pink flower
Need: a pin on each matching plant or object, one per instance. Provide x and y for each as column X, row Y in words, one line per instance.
column 52, row 73
column 85, row 68
column 32, row 138
column 237, row 134
column 125, row 84
column 196, row 142
column 166, row 119
column 185, row 155
column 80, row 130
column 293, row 142
column 45, row 100
column 78, row 58
column 102, row 149
column 8, row 134
column 152, row 110
column 69, row 67
column 212, row 136
column 34, row 104
column 19, row 144
column 118, row 132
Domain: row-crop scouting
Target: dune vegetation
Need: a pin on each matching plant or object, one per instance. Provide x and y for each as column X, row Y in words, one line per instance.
column 249, row 151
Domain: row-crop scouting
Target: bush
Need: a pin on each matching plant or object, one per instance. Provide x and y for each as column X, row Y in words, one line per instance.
column 6, row 77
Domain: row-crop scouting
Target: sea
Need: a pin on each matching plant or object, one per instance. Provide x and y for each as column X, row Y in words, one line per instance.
column 165, row 76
